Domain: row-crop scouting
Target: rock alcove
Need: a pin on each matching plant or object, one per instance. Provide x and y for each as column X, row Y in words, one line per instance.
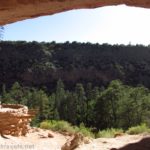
column 16, row 10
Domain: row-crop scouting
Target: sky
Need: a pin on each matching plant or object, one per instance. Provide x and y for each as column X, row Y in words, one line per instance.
column 111, row 24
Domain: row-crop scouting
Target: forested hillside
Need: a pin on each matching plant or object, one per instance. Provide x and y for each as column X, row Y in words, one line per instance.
column 102, row 86
column 43, row 64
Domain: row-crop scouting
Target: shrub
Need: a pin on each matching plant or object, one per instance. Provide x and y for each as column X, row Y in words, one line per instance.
column 108, row 133
column 64, row 126
column 138, row 129
column 84, row 130
column 47, row 125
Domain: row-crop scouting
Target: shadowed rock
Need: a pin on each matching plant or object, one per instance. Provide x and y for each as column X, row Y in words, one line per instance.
column 144, row 144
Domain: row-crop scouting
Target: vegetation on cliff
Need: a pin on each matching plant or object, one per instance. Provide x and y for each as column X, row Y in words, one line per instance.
column 116, row 106
column 102, row 86
column 43, row 64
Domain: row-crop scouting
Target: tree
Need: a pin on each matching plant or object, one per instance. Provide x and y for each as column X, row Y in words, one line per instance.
column 88, row 100
column 42, row 105
column 81, row 103
column 92, row 95
column 108, row 105
column 17, row 92
column 60, row 97
column 135, row 108
column 69, row 108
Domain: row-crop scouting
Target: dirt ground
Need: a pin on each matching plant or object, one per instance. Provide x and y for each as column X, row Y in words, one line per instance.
column 39, row 140
column 126, row 142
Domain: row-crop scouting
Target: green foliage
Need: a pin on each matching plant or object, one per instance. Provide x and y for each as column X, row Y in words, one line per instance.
column 121, row 106
column 143, row 128
column 109, row 103
column 108, row 133
column 63, row 126
column 47, row 125
column 81, row 103
column 43, row 64
column 84, row 130
column 117, row 106
column 103, row 86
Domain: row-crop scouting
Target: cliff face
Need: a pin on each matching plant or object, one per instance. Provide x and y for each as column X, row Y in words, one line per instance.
column 16, row 10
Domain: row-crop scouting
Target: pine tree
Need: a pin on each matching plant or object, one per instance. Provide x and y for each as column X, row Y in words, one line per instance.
column 43, row 105
column 60, row 97
column 16, row 92
column 71, row 108
column 107, row 107
column 81, row 103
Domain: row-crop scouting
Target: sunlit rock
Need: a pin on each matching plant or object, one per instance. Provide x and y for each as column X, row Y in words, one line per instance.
column 14, row 120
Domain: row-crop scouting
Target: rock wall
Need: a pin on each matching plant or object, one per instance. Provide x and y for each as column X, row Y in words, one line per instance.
column 14, row 120
column 16, row 10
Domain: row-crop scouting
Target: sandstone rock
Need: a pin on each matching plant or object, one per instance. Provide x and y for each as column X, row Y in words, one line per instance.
column 66, row 133
column 76, row 140
column 118, row 134
column 43, row 135
column 87, row 140
column 50, row 135
column 14, row 120
column 16, row 10
column 46, row 135
column 34, row 129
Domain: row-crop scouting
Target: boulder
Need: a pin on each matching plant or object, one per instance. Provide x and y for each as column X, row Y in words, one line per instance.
column 75, row 141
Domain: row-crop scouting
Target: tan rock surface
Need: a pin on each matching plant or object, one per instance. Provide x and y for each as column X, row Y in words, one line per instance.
column 16, row 10
column 14, row 120
column 33, row 141
column 126, row 142
column 73, row 142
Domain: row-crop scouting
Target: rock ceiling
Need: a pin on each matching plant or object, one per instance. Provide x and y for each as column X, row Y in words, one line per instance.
column 16, row 10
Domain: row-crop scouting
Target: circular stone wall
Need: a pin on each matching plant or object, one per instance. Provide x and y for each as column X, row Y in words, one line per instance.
column 14, row 120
